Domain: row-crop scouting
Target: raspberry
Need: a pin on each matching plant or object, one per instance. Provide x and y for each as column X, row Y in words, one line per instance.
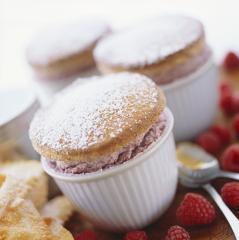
column 222, row 132
column 230, row 158
column 136, row 235
column 227, row 103
column 230, row 194
column 235, row 124
column 235, row 102
column 177, row 233
column 225, row 88
column 210, row 142
column 86, row 235
column 195, row 210
column 231, row 61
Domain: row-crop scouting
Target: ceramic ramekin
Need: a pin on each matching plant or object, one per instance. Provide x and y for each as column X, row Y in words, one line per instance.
column 17, row 108
column 193, row 101
column 128, row 196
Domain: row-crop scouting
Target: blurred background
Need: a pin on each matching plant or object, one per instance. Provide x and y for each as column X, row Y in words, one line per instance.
column 19, row 20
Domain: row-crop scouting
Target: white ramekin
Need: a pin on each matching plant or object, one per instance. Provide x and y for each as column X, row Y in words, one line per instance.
column 193, row 101
column 17, row 108
column 128, row 196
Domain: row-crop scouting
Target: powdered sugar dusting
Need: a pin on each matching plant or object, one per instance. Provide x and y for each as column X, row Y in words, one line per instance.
column 150, row 42
column 64, row 40
column 86, row 114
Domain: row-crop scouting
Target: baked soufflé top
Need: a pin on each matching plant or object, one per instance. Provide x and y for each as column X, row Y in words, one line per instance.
column 93, row 120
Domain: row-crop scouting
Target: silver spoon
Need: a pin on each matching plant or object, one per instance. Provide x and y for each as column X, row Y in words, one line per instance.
column 195, row 180
column 200, row 165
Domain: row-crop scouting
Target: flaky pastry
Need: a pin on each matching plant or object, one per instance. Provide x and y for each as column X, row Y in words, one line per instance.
column 32, row 173
column 59, row 208
column 19, row 219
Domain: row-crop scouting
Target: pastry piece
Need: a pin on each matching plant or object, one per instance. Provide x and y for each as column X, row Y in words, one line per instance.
column 12, row 188
column 103, row 122
column 31, row 172
column 59, row 208
column 58, row 232
column 20, row 220
column 65, row 50
column 166, row 48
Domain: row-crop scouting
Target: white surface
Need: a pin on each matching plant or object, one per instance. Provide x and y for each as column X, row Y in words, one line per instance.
column 193, row 101
column 20, row 19
column 128, row 196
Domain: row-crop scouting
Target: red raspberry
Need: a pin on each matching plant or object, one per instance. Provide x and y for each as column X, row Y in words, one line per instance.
column 195, row 210
column 222, row 132
column 230, row 158
column 235, row 101
column 227, row 103
column 230, row 194
column 210, row 142
column 225, row 88
column 86, row 235
column 235, row 124
column 136, row 235
column 231, row 61
column 177, row 233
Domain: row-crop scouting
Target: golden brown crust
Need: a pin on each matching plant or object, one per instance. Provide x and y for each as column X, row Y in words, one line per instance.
column 110, row 145
column 162, row 66
column 66, row 66
column 141, row 109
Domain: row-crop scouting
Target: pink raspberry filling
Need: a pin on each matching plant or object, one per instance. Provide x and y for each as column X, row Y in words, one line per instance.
column 183, row 70
column 124, row 155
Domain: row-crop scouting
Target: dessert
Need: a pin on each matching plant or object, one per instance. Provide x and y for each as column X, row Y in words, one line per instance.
column 172, row 51
column 60, row 54
column 65, row 50
column 165, row 49
column 20, row 220
column 113, row 122
column 108, row 143
column 32, row 174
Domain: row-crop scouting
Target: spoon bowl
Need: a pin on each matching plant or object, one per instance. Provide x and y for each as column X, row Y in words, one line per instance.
column 195, row 163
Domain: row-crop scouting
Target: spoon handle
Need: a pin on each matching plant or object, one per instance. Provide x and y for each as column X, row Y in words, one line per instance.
column 232, row 220
column 228, row 175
